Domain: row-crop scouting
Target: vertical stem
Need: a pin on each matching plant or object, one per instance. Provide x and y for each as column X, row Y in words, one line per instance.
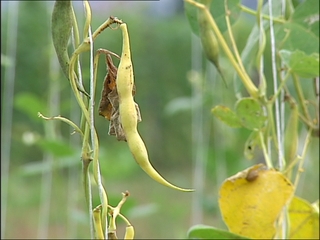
column 92, row 94
column 94, row 140
column 275, row 87
column 303, row 158
column 279, row 121
column 262, row 44
column 265, row 151
column 7, row 106
column 301, row 97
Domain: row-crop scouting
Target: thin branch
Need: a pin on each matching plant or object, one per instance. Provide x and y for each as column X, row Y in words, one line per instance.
column 267, row 17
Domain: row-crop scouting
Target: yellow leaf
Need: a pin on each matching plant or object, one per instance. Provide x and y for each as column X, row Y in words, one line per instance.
column 304, row 220
column 251, row 201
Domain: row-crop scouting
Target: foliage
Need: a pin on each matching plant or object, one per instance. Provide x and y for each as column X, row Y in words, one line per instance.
column 259, row 202
column 160, row 53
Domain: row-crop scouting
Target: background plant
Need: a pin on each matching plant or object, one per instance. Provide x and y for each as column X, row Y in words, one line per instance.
column 264, row 112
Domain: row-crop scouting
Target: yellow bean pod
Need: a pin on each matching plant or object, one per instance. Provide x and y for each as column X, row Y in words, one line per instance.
column 128, row 114
column 97, row 223
column 129, row 232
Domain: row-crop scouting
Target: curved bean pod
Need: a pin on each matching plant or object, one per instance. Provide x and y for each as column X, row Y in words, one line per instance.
column 128, row 114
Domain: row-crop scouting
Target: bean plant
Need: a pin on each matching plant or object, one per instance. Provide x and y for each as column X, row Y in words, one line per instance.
column 260, row 201
column 257, row 202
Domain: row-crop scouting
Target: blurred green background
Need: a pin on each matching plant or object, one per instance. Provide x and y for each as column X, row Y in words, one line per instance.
column 42, row 195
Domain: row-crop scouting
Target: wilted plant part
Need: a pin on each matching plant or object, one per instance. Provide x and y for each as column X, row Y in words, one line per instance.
column 109, row 103
column 128, row 113
column 105, row 108
column 114, row 213
column 96, row 213
column 129, row 232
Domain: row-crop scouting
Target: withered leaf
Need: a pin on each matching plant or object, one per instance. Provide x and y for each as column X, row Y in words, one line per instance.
column 109, row 103
column 109, row 85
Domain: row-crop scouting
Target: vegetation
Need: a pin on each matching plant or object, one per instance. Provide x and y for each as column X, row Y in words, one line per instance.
column 264, row 125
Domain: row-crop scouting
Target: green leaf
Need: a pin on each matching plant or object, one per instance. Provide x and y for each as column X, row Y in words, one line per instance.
column 292, row 36
column 6, row 61
column 250, row 145
column 177, row 105
column 30, row 104
column 62, row 16
column 208, row 232
column 307, row 14
column 217, row 10
column 191, row 14
column 250, row 113
column 227, row 116
column 39, row 167
column 306, row 66
column 58, row 148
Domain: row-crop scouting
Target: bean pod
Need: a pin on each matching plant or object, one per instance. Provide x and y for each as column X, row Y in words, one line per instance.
column 128, row 114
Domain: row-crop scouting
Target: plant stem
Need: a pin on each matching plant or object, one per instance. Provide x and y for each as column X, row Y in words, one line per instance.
column 251, row 88
column 69, row 122
column 279, row 135
column 252, row 12
column 280, row 88
column 303, row 157
column 94, row 140
column 265, row 152
column 301, row 98
column 233, row 42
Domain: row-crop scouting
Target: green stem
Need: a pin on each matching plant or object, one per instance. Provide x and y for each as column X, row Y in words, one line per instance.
column 301, row 98
column 271, row 125
column 307, row 122
column 262, row 45
column 104, row 25
column 75, row 30
column 282, row 84
column 75, row 89
column 265, row 152
column 88, row 18
column 303, row 157
column 72, row 124
column 94, row 139
column 86, row 160
column 251, row 88
column 233, row 42
column 267, row 17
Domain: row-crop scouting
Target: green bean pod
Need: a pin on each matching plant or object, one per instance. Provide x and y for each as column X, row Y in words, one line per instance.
column 291, row 138
column 128, row 114
column 209, row 40
column 61, row 31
